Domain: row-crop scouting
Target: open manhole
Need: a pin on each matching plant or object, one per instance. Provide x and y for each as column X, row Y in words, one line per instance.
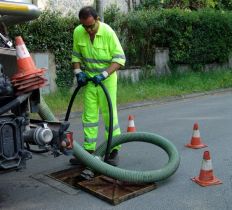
column 103, row 187
column 71, row 176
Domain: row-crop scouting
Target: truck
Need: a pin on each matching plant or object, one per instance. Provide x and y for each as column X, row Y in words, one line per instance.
column 20, row 135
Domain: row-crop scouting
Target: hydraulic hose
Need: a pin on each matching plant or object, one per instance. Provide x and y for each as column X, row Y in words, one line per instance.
column 107, row 151
column 130, row 175
column 110, row 133
column 14, row 103
column 71, row 103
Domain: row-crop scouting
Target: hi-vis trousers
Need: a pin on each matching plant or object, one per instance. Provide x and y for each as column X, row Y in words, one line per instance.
column 95, row 99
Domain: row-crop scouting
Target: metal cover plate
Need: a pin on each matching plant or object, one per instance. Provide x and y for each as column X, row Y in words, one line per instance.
column 106, row 188
column 114, row 191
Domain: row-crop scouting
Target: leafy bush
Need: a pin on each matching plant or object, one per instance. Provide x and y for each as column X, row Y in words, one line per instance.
column 225, row 4
column 111, row 14
column 183, row 4
column 147, row 4
column 117, row 21
column 193, row 37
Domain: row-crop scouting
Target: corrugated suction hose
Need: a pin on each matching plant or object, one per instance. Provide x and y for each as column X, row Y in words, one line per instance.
column 96, row 164
column 44, row 111
column 129, row 175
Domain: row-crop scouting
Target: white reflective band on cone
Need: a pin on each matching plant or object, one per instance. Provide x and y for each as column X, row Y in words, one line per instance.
column 131, row 123
column 22, row 51
column 196, row 133
column 206, row 165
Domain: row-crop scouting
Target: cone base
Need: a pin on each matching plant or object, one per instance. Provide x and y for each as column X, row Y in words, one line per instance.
column 131, row 129
column 24, row 86
column 215, row 181
column 199, row 146
column 33, row 87
column 30, row 77
column 27, row 75
column 23, row 82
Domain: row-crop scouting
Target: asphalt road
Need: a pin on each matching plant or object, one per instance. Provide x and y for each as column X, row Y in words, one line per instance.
column 29, row 189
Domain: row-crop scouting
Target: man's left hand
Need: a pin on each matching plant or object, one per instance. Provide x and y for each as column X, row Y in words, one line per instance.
column 100, row 77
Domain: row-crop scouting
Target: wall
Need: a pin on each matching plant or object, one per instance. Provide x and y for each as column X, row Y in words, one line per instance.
column 74, row 6
column 47, row 61
column 23, row 1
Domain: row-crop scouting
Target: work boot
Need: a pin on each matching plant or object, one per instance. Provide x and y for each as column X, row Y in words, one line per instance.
column 75, row 161
column 113, row 158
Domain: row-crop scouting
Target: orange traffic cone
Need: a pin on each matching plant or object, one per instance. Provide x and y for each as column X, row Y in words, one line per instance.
column 196, row 142
column 131, row 124
column 206, row 177
column 26, row 65
column 28, row 77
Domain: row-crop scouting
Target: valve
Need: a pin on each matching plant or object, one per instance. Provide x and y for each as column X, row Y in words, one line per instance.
column 67, row 142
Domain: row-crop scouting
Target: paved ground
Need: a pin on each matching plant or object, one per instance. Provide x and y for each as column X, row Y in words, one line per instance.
column 29, row 189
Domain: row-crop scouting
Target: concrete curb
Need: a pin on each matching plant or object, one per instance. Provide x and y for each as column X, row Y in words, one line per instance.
column 157, row 101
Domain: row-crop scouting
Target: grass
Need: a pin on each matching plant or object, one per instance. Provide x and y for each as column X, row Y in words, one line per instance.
column 150, row 89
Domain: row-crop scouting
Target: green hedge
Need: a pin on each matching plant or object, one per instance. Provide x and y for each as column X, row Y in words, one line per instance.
column 193, row 37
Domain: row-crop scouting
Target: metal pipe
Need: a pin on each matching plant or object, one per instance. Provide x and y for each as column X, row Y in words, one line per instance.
column 99, row 8
column 17, row 12
column 14, row 103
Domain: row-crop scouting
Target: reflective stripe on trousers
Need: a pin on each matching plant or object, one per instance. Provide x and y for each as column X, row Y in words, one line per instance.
column 94, row 98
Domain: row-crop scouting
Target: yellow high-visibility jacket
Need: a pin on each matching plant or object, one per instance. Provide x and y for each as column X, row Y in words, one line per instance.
column 97, row 56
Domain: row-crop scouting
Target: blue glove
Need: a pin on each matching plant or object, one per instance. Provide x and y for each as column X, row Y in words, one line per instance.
column 82, row 78
column 99, row 78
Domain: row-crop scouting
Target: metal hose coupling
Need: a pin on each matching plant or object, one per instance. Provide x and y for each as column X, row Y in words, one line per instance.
column 39, row 135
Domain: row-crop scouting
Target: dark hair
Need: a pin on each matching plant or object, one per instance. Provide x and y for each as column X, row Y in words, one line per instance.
column 86, row 12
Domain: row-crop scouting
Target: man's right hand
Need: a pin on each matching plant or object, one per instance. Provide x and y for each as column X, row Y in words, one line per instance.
column 82, row 78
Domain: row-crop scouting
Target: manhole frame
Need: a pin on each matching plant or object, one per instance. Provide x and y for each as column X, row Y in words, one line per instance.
column 89, row 185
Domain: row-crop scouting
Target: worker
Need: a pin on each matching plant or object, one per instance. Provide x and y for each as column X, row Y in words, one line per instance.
column 98, row 54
